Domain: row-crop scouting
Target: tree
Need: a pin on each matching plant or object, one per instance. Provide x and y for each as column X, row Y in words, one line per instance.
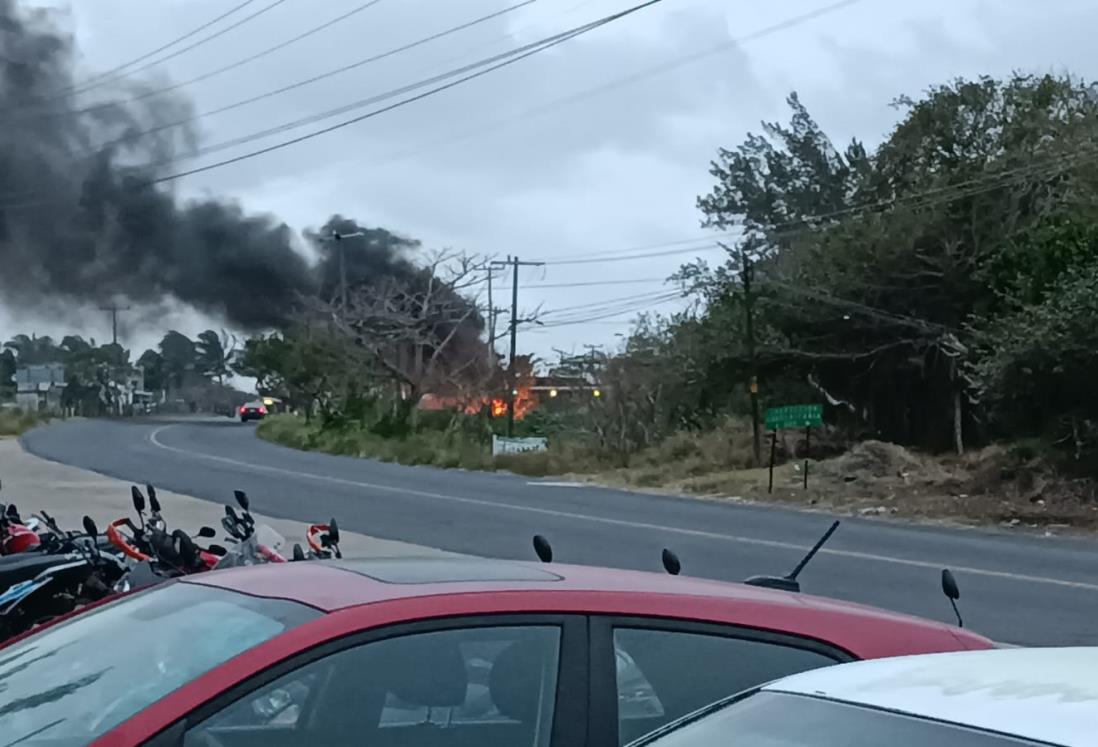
column 872, row 268
column 419, row 332
column 179, row 357
column 152, row 363
column 33, row 350
column 214, row 353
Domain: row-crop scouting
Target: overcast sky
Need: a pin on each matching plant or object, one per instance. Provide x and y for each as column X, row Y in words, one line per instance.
column 585, row 149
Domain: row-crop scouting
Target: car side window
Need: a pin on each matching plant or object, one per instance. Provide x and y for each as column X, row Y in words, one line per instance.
column 663, row 675
column 464, row 687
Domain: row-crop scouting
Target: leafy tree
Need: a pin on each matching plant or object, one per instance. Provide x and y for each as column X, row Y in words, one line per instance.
column 152, row 363
column 179, row 356
column 213, row 354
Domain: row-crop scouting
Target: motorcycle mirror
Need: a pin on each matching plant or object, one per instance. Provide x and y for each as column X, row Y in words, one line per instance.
column 671, row 562
column 90, row 528
column 333, row 532
column 952, row 592
column 242, row 499
column 231, row 513
column 138, row 499
column 207, row 532
column 217, row 550
column 11, row 511
column 154, row 504
column 299, row 554
column 543, row 549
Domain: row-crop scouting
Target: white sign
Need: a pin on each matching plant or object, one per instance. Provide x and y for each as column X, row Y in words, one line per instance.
column 502, row 445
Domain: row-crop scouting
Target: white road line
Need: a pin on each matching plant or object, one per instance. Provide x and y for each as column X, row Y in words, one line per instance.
column 154, row 439
column 551, row 484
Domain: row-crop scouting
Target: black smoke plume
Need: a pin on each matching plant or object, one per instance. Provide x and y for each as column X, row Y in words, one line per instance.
column 80, row 222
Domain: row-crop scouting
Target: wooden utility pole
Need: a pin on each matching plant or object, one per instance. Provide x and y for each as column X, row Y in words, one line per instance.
column 512, row 382
column 338, row 238
column 749, row 322
column 491, row 318
column 113, row 309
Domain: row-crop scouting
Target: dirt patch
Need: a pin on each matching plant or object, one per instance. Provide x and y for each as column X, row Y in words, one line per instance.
column 995, row 486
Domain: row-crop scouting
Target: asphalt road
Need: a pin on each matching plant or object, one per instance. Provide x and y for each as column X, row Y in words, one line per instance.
column 1014, row 588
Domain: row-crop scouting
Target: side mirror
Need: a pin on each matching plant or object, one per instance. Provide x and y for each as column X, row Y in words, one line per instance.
column 543, row 549
column 138, row 499
column 299, row 554
column 154, row 504
column 953, row 593
column 218, row 550
column 333, row 532
column 207, row 532
column 12, row 511
column 671, row 562
column 90, row 528
column 242, row 499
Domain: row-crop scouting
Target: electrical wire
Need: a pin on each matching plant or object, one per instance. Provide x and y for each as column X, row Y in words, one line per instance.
column 89, row 84
column 595, row 260
column 130, row 138
column 230, row 66
column 649, row 72
column 204, row 40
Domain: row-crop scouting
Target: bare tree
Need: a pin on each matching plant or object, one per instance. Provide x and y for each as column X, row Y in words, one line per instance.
column 421, row 330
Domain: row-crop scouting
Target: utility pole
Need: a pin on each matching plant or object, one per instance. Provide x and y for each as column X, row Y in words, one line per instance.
column 749, row 321
column 114, row 309
column 512, row 383
column 491, row 317
column 338, row 238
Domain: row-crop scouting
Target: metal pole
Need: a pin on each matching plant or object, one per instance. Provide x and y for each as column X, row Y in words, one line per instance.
column 807, row 452
column 773, row 449
column 749, row 322
column 491, row 318
column 513, row 380
column 342, row 275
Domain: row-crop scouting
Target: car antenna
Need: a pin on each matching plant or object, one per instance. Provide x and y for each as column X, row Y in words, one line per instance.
column 789, row 582
column 671, row 562
column 543, row 549
column 953, row 592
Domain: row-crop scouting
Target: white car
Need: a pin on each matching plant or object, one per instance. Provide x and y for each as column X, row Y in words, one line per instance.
column 998, row 698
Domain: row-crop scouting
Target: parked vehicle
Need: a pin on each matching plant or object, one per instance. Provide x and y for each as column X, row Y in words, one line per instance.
column 1006, row 698
column 460, row 650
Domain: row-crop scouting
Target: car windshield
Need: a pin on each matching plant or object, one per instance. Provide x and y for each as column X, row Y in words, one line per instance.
column 775, row 719
column 73, row 683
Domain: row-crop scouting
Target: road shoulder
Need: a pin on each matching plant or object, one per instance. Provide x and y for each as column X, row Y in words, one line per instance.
column 69, row 493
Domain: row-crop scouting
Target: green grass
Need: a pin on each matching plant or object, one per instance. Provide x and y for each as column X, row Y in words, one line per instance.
column 15, row 422
column 436, row 448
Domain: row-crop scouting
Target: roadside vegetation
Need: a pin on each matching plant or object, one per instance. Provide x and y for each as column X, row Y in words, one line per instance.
column 16, row 422
column 936, row 293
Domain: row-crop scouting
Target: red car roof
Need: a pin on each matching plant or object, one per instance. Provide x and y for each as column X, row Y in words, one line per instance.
column 866, row 632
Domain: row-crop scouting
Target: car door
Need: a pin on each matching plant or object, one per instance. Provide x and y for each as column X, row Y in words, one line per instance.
column 506, row 680
column 647, row 672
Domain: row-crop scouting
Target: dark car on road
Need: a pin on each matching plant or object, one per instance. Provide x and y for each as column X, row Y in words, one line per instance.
column 252, row 411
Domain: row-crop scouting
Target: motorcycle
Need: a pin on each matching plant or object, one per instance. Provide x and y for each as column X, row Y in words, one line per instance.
column 39, row 587
column 252, row 544
column 323, row 541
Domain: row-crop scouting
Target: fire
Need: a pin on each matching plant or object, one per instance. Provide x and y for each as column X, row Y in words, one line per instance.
column 525, row 402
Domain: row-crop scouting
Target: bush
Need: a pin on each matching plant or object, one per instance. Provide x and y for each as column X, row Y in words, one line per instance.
column 16, row 422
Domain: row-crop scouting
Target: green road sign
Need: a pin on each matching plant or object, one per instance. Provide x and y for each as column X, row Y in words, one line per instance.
column 794, row 416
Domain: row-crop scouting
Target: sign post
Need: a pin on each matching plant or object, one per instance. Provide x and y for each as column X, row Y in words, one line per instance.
column 792, row 416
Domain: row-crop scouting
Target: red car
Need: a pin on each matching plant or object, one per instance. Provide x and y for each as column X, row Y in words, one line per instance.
column 423, row 652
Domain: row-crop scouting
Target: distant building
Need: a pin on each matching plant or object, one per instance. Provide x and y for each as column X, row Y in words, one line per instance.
column 39, row 388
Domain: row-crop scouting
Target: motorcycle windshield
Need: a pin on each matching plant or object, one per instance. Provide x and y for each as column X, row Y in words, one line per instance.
column 72, row 683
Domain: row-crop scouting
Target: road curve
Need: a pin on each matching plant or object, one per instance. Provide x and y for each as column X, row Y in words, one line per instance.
column 1017, row 589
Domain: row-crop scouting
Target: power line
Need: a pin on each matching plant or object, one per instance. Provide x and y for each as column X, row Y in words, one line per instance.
column 643, row 247
column 588, row 283
column 184, row 50
column 331, row 73
column 531, row 49
column 629, row 79
column 129, row 139
column 91, row 82
column 232, row 65
column 706, row 248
